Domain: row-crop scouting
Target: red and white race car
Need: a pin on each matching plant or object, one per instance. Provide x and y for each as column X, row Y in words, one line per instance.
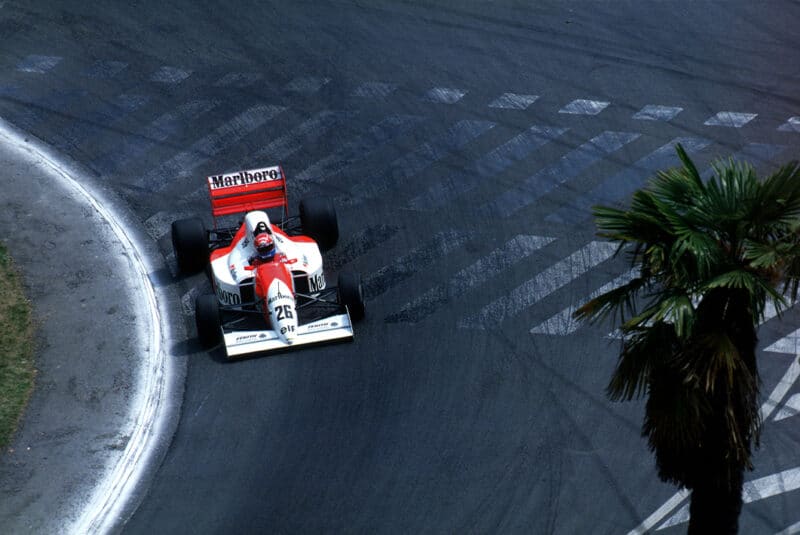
column 270, row 291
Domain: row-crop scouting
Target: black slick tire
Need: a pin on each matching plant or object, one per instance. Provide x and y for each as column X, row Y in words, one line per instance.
column 351, row 294
column 207, row 320
column 190, row 243
column 318, row 218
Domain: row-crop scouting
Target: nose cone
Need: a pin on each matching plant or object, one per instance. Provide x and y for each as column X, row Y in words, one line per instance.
column 282, row 312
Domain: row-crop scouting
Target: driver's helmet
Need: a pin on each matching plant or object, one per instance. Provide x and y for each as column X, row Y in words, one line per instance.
column 265, row 247
column 256, row 223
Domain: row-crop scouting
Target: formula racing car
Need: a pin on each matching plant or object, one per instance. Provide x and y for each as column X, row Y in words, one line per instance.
column 270, row 291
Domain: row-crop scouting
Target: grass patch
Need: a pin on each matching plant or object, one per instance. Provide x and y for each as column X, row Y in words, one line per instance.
column 16, row 349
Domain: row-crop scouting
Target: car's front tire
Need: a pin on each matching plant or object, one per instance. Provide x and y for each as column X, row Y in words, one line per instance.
column 208, row 320
column 351, row 294
column 190, row 243
column 319, row 221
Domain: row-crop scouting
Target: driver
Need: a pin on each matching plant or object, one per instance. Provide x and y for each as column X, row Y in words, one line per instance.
column 265, row 248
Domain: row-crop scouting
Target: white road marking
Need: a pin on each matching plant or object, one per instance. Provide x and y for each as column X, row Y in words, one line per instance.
column 152, row 388
column 170, row 75
column 563, row 323
column 283, row 147
column 677, row 499
column 416, row 260
column 306, row 132
column 791, row 530
column 445, row 95
column 157, row 131
column 626, row 182
column 548, row 281
column 105, row 69
column 792, row 125
column 411, row 164
column 359, row 244
column 513, row 101
column 752, row 491
column 788, row 345
column 183, row 164
column 653, row 112
column 38, row 64
column 730, row 119
column 374, row 90
column 238, row 79
column 789, row 409
column 584, row 107
column 551, row 177
column 767, row 408
column 375, row 137
column 512, row 151
column 514, row 251
column 307, row 84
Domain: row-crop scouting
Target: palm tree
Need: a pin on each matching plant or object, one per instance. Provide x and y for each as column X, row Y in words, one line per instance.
column 711, row 255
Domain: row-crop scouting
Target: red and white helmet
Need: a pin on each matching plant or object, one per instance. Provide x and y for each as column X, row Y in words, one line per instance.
column 265, row 246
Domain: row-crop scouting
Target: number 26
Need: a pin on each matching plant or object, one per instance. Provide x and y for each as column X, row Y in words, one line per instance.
column 283, row 312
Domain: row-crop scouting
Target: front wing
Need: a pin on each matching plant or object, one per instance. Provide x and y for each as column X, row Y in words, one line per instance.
column 336, row 327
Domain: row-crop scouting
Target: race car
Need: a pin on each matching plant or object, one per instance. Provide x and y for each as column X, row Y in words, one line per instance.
column 270, row 290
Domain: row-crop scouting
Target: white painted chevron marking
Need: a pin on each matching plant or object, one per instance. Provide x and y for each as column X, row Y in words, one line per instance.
column 563, row 323
column 416, row 260
column 513, row 101
column 308, row 131
column 584, row 107
column 38, row 64
column 517, row 249
column 412, row 163
column 767, row 408
column 170, row 75
column 548, row 281
column 653, row 112
column 755, row 490
column 791, row 530
column 445, row 95
column 730, row 119
column 624, row 183
column 157, row 131
column 238, row 79
column 374, row 138
column 549, row 178
column 183, row 164
column 789, row 409
column 792, row 125
column 479, row 171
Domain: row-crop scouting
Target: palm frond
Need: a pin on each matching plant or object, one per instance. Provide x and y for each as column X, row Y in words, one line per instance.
column 643, row 352
column 618, row 301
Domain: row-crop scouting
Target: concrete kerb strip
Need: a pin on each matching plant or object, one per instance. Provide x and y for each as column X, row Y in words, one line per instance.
column 157, row 392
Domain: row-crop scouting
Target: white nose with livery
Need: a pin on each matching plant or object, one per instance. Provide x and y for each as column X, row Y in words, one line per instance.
column 282, row 313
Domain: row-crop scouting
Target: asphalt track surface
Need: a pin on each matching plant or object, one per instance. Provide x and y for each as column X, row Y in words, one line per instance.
column 463, row 144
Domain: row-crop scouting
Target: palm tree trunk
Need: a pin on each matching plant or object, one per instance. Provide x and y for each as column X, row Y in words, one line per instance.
column 715, row 510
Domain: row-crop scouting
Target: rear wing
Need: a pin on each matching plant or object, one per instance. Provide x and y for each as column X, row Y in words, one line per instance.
column 243, row 191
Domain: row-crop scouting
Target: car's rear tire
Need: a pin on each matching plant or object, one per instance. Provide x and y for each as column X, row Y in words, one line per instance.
column 208, row 320
column 351, row 294
column 190, row 243
column 318, row 218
